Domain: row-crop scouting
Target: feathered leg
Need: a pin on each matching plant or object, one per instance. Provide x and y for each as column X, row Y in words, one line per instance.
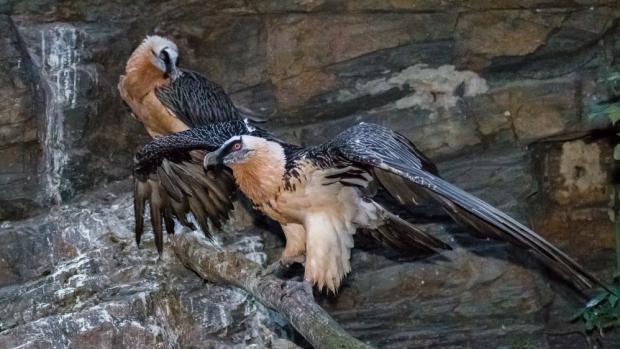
column 294, row 251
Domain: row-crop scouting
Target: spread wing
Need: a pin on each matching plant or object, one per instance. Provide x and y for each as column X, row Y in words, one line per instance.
column 198, row 102
column 168, row 175
column 395, row 162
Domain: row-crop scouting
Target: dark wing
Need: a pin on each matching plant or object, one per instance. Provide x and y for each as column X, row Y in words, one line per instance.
column 250, row 114
column 400, row 234
column 390, row 155
column 197, row 101
column 168, row 174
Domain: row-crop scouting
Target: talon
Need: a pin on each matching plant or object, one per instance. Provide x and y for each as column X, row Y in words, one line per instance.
column 275, row 268
column 283, row 265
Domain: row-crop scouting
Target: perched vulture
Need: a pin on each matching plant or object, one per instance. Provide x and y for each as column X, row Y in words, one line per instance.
column 322, row 195
column 166, row 100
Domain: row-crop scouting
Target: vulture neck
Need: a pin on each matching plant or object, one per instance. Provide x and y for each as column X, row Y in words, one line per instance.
column 142, row 77
column 260, row 177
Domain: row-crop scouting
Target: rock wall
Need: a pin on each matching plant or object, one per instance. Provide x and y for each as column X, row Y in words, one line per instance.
column 496, row 92
column 73, row 278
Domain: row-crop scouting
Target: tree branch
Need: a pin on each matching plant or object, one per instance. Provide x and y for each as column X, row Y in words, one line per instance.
column 288, row 298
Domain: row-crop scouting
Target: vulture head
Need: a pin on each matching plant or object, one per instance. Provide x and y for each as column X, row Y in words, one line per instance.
column 238, row 150
column 258, row 165
column 165, row 55
column 159, row 53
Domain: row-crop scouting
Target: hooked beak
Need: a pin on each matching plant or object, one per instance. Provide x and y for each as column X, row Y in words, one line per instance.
column 171, row 71
column 212, row 160
column 175, row 73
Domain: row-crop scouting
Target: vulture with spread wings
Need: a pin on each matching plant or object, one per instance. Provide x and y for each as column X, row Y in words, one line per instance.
column 322, row 195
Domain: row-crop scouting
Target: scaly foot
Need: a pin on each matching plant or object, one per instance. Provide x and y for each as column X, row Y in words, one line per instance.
column 275, row 268
column 282, row 265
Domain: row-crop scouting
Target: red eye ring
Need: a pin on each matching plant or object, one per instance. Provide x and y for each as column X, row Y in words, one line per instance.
column 237, row 146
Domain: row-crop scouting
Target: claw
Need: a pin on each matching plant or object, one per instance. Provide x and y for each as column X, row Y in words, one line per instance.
column 275, row 268
column 283, row 265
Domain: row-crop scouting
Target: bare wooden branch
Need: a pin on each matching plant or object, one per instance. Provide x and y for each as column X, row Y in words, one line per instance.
column 286, row 297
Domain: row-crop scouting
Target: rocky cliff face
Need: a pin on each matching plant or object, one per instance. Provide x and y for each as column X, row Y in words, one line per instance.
column 496, row 92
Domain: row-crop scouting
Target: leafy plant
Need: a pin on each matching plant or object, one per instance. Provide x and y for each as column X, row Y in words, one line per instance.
column 611, row 108
column 602, row 312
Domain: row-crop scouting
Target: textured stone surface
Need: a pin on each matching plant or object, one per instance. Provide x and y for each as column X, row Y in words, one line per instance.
column 19, row 142
column 574, row 201
column 74, row 278
column 495, row 91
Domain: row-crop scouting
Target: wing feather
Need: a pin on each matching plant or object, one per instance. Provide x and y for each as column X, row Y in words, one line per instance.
column 156, row 205
column 166, row 181
column 141, row 193
column 198, row 102
column 168, row 174
column 399, row 233
column 391, row 155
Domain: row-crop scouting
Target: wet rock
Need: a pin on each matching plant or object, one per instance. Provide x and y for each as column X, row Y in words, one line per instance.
column 496, row 92
column 20, row 146
column 84, row 282
column 81, row 110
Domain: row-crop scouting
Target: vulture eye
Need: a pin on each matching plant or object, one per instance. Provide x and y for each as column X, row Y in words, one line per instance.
column 236, row 146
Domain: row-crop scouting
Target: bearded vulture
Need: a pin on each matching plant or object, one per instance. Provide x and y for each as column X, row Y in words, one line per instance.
column 322, row 195
column 167, row 100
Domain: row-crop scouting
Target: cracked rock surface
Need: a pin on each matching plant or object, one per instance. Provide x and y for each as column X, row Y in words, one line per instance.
column 498, row 93
column 75, row 279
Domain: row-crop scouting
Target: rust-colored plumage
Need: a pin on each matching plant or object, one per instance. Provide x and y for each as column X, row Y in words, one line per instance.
column 261, row 178
column 168, row 100
column 142, row 79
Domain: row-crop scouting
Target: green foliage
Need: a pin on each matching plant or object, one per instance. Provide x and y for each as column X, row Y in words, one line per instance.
column 612, row 112
column 602, row 311
column 609, row 110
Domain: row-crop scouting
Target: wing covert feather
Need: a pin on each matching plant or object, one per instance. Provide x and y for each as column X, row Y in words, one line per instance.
column 168, row 175
column 198, row 102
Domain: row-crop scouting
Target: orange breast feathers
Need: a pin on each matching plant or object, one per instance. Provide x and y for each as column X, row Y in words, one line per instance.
column 260, row 178
column 137, row 88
